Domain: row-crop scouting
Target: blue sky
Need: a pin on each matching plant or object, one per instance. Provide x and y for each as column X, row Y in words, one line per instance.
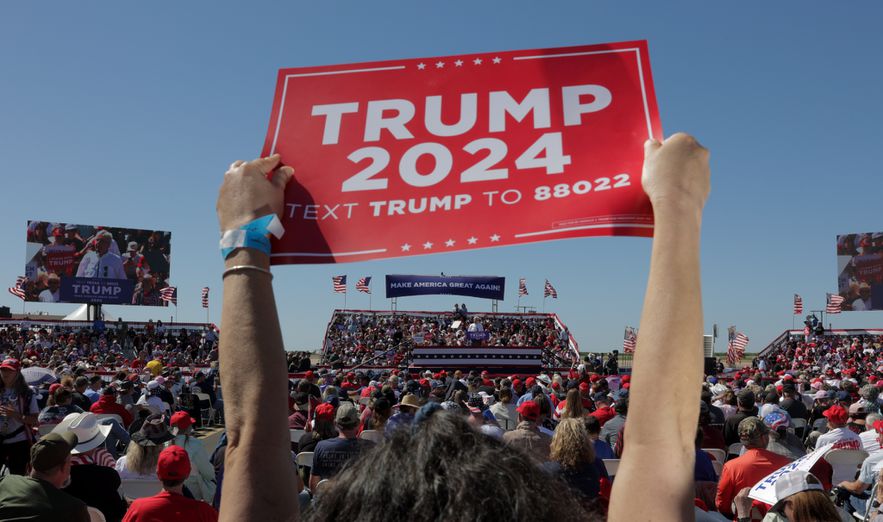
column 128, row 113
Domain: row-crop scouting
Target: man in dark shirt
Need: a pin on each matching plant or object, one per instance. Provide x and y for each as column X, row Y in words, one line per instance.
column 97, row 486
column 745, row 408
column 78, row 398
column 331, row 455
column 792, row 403
column 38, row 497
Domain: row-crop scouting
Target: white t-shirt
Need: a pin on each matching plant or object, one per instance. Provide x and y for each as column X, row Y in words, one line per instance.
column 125, row 474
column 838, row 435
column 48, row 296
column 870, row 442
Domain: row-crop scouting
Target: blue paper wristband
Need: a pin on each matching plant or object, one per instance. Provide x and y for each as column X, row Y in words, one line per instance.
column 254, row 234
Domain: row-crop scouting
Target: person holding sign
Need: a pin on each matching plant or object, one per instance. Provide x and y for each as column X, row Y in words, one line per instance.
column 259, row 478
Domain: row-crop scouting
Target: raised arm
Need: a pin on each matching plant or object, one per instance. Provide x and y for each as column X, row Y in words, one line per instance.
column 655, row 479
column 259, row 480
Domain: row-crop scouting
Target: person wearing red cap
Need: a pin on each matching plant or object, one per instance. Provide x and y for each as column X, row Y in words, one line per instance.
column 838, row 432
column 527, row 435
column 201, row 481
column 172, row 469
column 18, row 413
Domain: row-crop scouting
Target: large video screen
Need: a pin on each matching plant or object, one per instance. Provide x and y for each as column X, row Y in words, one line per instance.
column 69, row 263
column 860, row 271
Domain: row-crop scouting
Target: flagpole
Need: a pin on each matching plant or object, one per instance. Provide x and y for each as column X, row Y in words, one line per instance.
column 369, row 297
column 544, row 302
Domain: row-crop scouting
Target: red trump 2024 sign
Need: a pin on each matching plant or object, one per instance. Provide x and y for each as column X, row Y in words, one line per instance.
column 409, row 157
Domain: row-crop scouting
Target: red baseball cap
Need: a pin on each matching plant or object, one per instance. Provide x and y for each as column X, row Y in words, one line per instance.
column 516, row 383
column 53, row 387
column 309, row 374
column 11, row 364
column 583, row 386
column 626, row 378
column 182, row 420
column 836, row 414
column 530, row 382
column 529, row 410
column 878, row 426
column 595, row 377
column 325, row 411
column 173, row 464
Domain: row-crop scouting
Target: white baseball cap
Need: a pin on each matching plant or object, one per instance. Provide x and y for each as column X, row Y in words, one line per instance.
column 792, row 483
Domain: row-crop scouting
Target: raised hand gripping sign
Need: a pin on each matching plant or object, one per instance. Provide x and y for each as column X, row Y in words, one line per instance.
column 432, row 155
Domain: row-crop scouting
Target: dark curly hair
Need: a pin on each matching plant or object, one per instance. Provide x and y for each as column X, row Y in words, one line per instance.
column 444, row 470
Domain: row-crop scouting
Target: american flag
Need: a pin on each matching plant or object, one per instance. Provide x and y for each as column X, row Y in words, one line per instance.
column 522, row 287
column 834, row 302
column 362, row 285
column 798, row 305
column 629, row 340
column 339, row 283
column 19, row 289
column 736, row 346
column 550, row 291
column 169, row 294
column 205, row 297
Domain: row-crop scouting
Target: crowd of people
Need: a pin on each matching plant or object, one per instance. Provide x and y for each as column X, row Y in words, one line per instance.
column 100, row 346
column 68, row 440
column 387, row 338
column 582, row 444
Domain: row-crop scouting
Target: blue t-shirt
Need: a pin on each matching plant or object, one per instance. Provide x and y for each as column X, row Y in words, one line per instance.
column 603, row 450
column 584, row 480
column 704, row 470
column 331, row 455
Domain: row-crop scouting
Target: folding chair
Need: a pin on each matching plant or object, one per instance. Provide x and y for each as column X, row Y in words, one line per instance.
column 207, row 414
column 845, row 463
column 718, row 454
column 305, row 459
column 718, row 467
column 799, row 424
column 373, row 435
column 140, row 488
column 612, row 466
column 867, row 515
column 736, row 449
column 296, row 435
column 95, row 515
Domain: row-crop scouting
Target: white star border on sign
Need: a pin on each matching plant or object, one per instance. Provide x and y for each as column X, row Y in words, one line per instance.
column 440, row 64
column 450, row 242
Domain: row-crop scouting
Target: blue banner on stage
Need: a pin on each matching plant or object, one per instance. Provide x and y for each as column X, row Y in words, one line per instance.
column 96, row 290
column 484, row 287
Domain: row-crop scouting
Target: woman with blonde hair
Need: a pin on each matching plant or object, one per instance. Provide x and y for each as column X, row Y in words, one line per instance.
column 573, row 405
column 572, row 458
column 141, row 456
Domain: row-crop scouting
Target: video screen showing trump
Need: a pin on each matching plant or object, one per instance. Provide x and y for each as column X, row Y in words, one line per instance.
column 70, row 263
column 860, row 271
